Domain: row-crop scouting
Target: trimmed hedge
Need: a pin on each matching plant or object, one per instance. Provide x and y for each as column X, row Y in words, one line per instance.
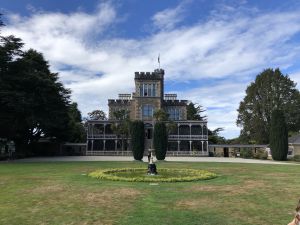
column 182, row 175
column 137, row 134
column 160, row 140
column 278, row 136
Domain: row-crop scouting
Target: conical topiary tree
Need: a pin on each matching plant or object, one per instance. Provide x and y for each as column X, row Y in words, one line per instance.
column 278, row 136
column 160, row 140
column 137, row 134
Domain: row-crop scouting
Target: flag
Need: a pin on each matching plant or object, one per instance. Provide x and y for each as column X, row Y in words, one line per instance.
column 158, row 59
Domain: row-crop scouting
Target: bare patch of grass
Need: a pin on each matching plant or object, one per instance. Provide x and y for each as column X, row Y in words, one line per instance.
column 236, row 189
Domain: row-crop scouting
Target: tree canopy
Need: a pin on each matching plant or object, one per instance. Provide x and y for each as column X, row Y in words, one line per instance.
column 33, row 103
column 194, row 112
column 270, row 90
column 97, row 115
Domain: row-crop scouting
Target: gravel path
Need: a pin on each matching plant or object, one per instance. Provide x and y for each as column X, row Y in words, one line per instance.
column 170, row 159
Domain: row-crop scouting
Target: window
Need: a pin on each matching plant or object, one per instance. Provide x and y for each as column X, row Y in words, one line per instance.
column 147, row 111
column 174, row 114
column 147, row 90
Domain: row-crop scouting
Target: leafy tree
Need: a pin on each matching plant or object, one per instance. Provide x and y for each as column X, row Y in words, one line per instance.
column 194, row 112
column 278, row 136
column 160, row 115
column 271, row 90
column 77, row 132
column 33, row 103
column 122, row 125
column 137, row 139
column 160, row 140
column 215, row 138
column 97, row 115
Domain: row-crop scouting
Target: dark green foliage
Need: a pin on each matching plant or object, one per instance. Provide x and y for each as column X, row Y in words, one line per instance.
column 97, row 115
column 137, row 139
column 270, row 90
column 160, row 140
column 33, row 103
column 278, row 136
column 76, row 132
column 246, row 153
column 194, row 112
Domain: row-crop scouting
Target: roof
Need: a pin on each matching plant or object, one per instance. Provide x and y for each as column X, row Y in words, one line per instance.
column 237, row 146
column 294, row 139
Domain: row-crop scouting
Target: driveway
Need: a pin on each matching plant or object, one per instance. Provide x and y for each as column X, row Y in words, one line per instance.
column 169, row 159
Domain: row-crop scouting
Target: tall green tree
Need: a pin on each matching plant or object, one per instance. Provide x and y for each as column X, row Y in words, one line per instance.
column 270, row 90
column 194, row 112
column 33, row 103
column 77, row 132
column 137, row 133
column 160, row 140
column 278, row 136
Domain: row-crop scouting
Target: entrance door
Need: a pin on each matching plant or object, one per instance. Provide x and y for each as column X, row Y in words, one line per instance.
column 226, row 152
column 148, row 137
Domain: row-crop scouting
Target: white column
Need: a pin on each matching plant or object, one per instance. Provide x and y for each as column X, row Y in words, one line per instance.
column 202, row 146
column 104, row 145
column 104, row 125
column 92, row 145
column 92, row 130
column 178, row 147
column 116, row 142
column 207, row 146
column 191, row 146
column 202, row 130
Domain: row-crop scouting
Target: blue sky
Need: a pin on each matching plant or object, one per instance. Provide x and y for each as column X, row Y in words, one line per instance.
column 210, row 50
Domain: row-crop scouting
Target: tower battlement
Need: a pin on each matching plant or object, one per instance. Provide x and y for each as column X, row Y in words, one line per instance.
column 157, row 74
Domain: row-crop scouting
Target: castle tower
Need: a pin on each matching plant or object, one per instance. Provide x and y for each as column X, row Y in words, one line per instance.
column 149, row 94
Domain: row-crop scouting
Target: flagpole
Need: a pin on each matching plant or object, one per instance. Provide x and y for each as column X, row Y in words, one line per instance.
column 158, row 61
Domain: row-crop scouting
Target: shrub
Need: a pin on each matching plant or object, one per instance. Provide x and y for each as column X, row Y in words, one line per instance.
column 139, row 175
column 260, row 154
column 137, row 139
column 278, row 136
column 297, row 158
column 160, row 140
column 246, row 153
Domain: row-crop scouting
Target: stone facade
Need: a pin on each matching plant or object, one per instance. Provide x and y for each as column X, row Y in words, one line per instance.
column 190, row 137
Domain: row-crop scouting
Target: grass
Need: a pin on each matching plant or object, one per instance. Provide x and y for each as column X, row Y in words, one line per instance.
column 62, row 193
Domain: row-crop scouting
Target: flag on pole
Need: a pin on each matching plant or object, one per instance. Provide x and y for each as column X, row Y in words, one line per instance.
column 158, row 59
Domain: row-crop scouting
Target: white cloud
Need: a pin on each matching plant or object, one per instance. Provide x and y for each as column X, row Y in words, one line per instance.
column 169, row 18
column 96, row 67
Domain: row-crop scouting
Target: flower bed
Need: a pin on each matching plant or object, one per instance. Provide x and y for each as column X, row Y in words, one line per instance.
column 164, row 175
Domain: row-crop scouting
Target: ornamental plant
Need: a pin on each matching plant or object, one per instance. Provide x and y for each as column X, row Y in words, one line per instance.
column 278, row 136
column 137, row 139
column 160, row 140
column 139, row 175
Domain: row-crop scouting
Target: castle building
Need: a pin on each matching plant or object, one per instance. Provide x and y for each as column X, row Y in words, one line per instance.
column 189, row 138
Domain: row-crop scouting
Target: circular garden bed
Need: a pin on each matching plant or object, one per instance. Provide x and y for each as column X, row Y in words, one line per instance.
column 164, row 175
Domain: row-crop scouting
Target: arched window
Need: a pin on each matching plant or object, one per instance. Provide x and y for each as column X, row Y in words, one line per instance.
column 147, row 111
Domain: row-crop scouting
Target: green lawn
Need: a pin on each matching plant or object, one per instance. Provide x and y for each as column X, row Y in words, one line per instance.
column 61, row 193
